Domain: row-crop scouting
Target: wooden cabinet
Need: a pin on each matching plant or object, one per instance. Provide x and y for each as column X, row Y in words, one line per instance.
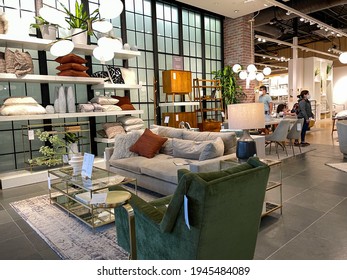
column 175, row 118
column 177, row 82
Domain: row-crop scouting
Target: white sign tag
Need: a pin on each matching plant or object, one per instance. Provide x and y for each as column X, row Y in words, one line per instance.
column 222, row 113
column 87, row 167
column 185, row 204
column 167, row 118
column 31, row 134
column 177, row 118
column 49, row 182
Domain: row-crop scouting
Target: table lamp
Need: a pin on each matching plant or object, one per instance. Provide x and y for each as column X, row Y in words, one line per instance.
column 246, row 116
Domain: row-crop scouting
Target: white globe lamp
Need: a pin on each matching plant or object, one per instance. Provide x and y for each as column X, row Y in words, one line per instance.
column 243, row 75
column 267, row 71
column 103, row 54
column 343, row 57
column 260, row 77
column 252, row 76
column 236, row 68
column 102, row 26
column 62, row 48
column 251, row 68
column 110, row 8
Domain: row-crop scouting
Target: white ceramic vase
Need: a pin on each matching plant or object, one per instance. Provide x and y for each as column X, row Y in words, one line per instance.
column 80, row 38
column 73, row 149
column 48, row 32
column 76, row 163
column 70, row 100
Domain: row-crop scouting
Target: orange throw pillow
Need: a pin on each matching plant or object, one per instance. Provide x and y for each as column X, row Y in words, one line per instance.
column 70, row 58
column 122, row 100
column 148, row 144
column 127, row 107
column 72, row 66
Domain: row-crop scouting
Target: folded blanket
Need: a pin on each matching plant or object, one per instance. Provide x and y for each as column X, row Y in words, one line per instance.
column 84, row 108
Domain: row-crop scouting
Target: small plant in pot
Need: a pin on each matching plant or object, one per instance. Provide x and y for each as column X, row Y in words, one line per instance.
column 80, row 22
column 48, row 30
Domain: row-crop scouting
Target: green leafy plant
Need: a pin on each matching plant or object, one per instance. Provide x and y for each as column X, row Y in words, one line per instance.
column 40, row 21
column 81, row 19
column 52, row 153
column 232, row 93
column 329, row 68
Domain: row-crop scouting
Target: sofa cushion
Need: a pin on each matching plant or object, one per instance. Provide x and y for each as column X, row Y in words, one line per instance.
column 122, row 143
column 135, row 164
column 189, row 149
column 148, row 144
column 213, row 150
column 166, row 170
column 229, row 138
column 167, row 148
column 170, row 132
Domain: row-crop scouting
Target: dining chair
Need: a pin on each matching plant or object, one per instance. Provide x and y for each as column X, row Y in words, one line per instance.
column 295, row 133
column 279, row 136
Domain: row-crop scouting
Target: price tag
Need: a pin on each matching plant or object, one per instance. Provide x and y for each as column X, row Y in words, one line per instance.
column 177, row 118
column 167, row 118
column 31, row 134
column 185, row 207
column 49, row 182
column 222, row 113
column 87, row 167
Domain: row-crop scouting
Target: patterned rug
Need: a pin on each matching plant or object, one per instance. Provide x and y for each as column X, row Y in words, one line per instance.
column 67, row 236
column 342, row 166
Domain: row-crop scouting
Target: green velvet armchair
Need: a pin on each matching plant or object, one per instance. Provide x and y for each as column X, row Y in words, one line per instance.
column 224, row 211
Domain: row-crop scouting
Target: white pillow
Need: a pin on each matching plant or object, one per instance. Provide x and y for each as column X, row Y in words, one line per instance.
column 188, row 149
column 13, row 110
column 104, row 100
column 132, row 127
column 129, row 76
column 19, row 100
column 129, row 120
column 122, row 143
column 108, row 108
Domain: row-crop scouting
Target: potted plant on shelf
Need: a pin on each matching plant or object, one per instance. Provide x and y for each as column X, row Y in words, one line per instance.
column 80, row 22
column 231, row 92
column 48, row 30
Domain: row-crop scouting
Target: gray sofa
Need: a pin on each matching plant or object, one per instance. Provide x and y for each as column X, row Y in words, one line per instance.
column 341, row 126
column 159, row 174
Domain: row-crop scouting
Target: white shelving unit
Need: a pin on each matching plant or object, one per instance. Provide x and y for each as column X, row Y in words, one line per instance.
column 115, row 86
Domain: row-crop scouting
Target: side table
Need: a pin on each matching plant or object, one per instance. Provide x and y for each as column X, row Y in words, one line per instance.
column 275, row 181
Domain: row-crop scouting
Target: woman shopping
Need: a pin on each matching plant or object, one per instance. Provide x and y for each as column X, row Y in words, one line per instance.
column 304, row 112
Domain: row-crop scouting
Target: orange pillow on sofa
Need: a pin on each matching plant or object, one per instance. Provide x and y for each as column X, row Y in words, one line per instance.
column 73, row 73
column 148, row 144
column 70, row 58
column 72, row 66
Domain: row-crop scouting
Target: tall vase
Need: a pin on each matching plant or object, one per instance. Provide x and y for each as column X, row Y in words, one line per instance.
column 73, row 149
column 80, row 38
column 76, row 163
column 62, row 100
column 70, row 100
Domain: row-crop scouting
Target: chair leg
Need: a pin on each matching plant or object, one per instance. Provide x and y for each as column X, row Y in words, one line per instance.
column 292, row 145
column 276, row 145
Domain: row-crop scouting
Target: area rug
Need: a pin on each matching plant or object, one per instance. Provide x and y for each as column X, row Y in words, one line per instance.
column 342, row 166
column 67, row 236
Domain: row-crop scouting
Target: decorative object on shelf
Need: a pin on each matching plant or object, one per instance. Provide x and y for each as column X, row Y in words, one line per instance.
column 48, row 30
column 76, row 163
column 3, row 23
column 87, row 24
column 246, row 116
column 18, row 62
column 26, row 105
column 70, row 100
column 61, row 100
column 71, row 65
column 2, row 63
column 232, row 93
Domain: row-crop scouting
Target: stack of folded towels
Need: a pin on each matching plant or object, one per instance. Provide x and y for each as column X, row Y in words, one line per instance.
column 100, row 104
column 131, row 123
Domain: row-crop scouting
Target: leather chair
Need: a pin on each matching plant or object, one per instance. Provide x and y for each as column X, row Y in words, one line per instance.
column 224, row 211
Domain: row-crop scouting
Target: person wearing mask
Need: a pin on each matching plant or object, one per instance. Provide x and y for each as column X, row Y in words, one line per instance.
column 304, row 112
column 265, row 98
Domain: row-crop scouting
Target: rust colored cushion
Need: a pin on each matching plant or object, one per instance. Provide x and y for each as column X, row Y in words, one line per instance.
column 73, row 73
column 122, row 100
column 127, row 107
column 70, row 58
column 148, row 144
column 72, row 66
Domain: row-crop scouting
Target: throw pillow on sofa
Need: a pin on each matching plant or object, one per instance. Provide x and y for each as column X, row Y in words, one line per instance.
column 148, row 144
column 123, row 142
column 213, row 150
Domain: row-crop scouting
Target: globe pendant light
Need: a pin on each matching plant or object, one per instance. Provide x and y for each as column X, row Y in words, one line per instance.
column 267, row 71
column 343, row 57
column 102, row 26
column 53, row 16
column 62, row 48
column 110, row 8
column 110, row 44
column 103, row 54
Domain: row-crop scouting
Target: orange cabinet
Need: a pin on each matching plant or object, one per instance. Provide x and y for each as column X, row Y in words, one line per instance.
column 177, row 82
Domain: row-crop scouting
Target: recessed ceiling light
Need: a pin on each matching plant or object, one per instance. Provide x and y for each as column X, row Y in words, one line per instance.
column 236, row 11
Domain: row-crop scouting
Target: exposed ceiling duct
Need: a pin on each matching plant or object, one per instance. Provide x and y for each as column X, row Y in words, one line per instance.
column 265, row 17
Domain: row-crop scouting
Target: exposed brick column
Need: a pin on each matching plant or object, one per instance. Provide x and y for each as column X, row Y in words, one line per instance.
column 237, row 48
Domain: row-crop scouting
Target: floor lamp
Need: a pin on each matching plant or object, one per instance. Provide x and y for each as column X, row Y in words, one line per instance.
column 246, row 116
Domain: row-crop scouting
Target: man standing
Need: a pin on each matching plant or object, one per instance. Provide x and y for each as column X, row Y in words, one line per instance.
column 265, row 98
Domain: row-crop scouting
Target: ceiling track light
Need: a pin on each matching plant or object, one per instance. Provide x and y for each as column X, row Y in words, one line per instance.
column 306, row 18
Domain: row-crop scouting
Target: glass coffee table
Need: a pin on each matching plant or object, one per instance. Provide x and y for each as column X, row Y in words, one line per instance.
column 80, row 197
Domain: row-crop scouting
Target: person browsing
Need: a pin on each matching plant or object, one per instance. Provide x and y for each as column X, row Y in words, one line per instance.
column 265, row 98
column 304, row 112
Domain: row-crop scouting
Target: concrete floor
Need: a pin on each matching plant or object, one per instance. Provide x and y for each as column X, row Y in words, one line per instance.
column 313, row 224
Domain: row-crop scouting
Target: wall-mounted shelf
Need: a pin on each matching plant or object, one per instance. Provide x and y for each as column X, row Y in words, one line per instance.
column 34, row 43
column 68, row 115
column 6, row 77
column 115, row 86
column 188, row 103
